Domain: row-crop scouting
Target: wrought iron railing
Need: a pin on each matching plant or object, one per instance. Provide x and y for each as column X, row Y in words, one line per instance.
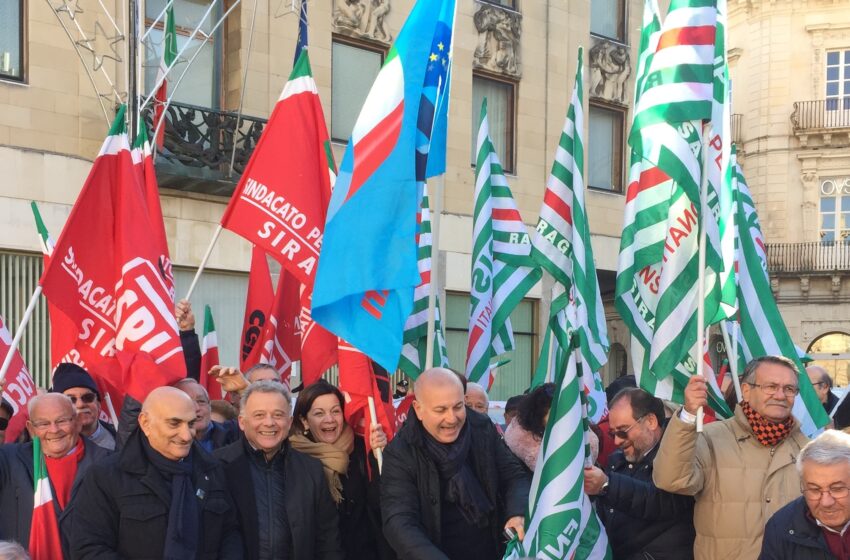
column 821, row 114
column 737, row 123
column 807, row 258
column 198, row 147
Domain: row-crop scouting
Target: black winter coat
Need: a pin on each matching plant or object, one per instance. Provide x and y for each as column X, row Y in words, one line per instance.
column 643, row 522
column 123, row 504
column 410, row 486
column 309, row 507
column 16, row 491
column 791, row 535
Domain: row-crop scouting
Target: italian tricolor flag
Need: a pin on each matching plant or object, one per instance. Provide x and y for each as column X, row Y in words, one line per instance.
column 45, row 543
column 209, row 355
column 169, row 55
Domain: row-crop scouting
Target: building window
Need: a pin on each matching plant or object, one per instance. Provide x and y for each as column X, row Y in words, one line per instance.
column 605, row 147
column 200, row 85
column 512, row 4
column 501, row 108
column 608, row 19
column 12, row 40
column 832, row 352
column 513, row 377
column 838, row 80
column 835, row 211
column 355, row 67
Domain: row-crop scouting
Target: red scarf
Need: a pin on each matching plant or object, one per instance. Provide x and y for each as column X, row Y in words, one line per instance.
column 62, row 472
column 767, row 433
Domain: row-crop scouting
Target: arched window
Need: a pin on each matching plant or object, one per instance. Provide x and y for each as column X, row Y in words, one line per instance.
column 617, row 364
column 832, row 352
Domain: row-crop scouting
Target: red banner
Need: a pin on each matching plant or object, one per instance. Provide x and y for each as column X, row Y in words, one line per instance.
column 19, row 386
column 318, row 346
column 258, row 305
column 282, row 335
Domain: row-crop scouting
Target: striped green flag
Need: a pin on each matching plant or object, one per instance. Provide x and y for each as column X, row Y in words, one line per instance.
column 502, row 268
column 412, row 361
column 761, row 329
column 561, row 246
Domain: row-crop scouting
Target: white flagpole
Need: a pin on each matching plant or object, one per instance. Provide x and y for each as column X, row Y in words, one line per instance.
column 204, row 261
column 435, row 199
column 732, row 354
column 114, row 417
column 19, row 333
column 703, row 212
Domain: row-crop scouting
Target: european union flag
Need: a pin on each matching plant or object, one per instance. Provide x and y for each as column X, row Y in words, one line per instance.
column 367, row 268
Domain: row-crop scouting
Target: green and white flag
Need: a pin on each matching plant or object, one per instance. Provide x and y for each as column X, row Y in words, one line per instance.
column 561, row 246
column 502, row 268
column 412, row 361
column 761, row 329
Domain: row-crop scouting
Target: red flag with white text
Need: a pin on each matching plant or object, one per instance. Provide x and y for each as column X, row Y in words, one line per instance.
column 104, row 275
column 19, row 386
column 282, row 336
column 258, row 306
column 318, row 346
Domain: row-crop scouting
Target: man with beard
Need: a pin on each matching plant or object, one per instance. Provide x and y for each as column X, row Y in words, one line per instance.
column 75, row 383
column 741, row 470
column 641, row 520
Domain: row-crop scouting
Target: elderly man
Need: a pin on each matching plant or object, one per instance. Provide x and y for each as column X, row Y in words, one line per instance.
column 641, row 520
column 822, row 383
column 67, row 456
column 476, row 398
column 814, row 526
column 162, row 496
column 282, row 497
column 75, row 383
column 741, row 470
column 209, row 434
column 450, row 486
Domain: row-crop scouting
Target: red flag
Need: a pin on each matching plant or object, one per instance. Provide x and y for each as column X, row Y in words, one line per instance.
column 359, row 379
column 282, row 335
column 19, row 386
column 45, row 542
column 105, row 277
column 318, row 346
column 258, row 305
column 402, row 409
column 209, row 356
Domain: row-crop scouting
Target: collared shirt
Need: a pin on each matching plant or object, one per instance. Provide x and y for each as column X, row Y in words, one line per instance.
column 102, row 438
column 837, row 541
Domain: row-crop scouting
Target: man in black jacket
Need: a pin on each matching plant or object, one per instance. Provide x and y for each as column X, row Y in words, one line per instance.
column 162, row 496
column 282, row 499
column 53, row 419
column 641, row 520
column 815, row 526
column 450, row 486
column 209, row 433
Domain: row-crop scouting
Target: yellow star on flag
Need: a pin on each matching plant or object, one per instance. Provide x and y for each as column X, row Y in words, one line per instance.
column 433, row 57
column 440, row 45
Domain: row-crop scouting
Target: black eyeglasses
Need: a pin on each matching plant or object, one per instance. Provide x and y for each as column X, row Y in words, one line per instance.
column 88, row 398
column 624, row 434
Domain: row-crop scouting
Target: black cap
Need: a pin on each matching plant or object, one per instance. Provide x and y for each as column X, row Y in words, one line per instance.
column 403, row 383
column 69, row 375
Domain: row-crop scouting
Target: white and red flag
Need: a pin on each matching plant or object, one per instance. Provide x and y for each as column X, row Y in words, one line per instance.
column 104, row 276
column 258, row 305
column 45, row 542
column 19, row 386
column 282, row 336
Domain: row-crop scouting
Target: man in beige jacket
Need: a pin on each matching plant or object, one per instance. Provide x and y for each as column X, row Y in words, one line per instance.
column 741, row 470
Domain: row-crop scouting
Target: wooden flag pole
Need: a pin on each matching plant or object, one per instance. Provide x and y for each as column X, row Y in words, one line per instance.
column 204, row 261
column 435, row 208
column 703, row 212
column 19, row 333
column 378, row 452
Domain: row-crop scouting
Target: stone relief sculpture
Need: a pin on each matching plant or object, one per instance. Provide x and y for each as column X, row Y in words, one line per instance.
column 362, row 19
column 499, row 31
column 610, row 69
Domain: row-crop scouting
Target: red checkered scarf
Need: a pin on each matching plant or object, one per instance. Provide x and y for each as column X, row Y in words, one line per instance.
column 767, row 433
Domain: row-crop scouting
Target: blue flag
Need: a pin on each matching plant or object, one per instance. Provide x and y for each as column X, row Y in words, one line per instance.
column 367, row 267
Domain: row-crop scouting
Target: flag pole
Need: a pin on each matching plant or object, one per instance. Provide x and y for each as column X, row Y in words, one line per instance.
column 733, row 359
column 378, row 452
column 703, row 212
column 550, row 377
column 114, row 417
column 19, row 333
column 204, row 261
column 435, row 209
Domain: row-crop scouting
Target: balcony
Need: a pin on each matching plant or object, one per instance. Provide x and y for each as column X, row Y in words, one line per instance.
column 198, row 147
column 817, row 258
column 822, row 123
column 737, row 123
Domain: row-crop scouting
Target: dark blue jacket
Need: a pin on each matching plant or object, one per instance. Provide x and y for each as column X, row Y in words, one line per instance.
column 792, row 535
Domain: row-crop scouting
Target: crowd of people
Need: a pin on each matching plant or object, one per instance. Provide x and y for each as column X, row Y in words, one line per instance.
column 184, row 477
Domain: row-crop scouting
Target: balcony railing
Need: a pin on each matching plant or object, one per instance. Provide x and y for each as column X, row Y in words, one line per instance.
column 807, row 258
column 822, row 114
column 198, row 147
column 737, row 123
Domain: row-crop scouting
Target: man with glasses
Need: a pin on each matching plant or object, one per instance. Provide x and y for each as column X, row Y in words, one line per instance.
column 210, row 434
column 740, row 470
column 814, row 526
column 641, row 520
column 67, row 456
column 822, row 383
column 75, row 383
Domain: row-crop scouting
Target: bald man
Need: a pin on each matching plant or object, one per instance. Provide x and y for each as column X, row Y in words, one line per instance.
column 67, row 456
column 162, row 496
column 450, row 486
column 476, row 398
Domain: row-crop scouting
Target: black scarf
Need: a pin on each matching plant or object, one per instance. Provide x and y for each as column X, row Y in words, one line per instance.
column 182, row 537
column 463, row 488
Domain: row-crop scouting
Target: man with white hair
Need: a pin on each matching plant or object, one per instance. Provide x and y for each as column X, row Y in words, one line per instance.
column 814, row 526
column 476, row 398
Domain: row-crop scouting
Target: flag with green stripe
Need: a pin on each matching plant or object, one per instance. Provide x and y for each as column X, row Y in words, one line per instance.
column 502, row 268
column 412, row 361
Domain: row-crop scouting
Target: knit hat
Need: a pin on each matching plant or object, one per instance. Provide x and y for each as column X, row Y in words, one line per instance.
column 69, row 375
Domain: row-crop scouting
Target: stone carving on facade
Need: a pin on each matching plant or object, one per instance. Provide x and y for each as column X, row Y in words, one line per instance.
column 811, row 194
column 610, row 69
column 804, row 286
column 836, row 284
column 362, row 19
column 774, row 285
column 499, row 31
